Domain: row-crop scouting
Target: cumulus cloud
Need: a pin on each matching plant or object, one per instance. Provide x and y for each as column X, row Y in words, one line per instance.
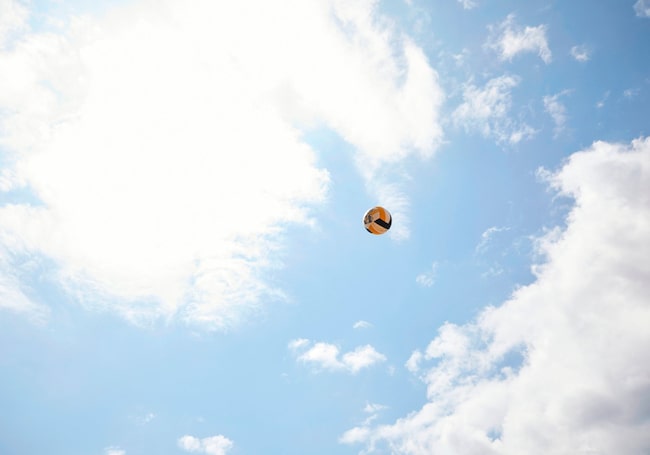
column 213, row 445
column 642, row 8
column 562, row 366
column 326, row 356
column 554, row 107
column 509, row 40
column 164, row 143
column 13, row 19
column 487, row 110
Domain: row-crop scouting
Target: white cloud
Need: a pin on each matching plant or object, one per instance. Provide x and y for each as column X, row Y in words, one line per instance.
column 556, row 110
column 413, row 363
column 164, row 143
column 562, row 366
column 213, row 445
column 428, row 278
column 13, row 19
column 580, row 53
column 362, row 325
column 508, row 40
column 631, row 92
column 487, row 110
column 468, row 4
column 326, row 356
column 13, row 296
column 487, row 236
column 114, row 451
column 642, row 8
column 601, row 103
column 143, row 419
column 372, row 408
column 298, row 343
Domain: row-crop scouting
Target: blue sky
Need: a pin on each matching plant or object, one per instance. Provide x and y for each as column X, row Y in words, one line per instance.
column 183, row 265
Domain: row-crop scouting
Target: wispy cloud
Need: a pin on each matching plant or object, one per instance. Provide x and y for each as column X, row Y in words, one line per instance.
column 362, row 325
column 428, row 278
column 509, row 40
column 556, row 110
column 133, row 131
column 487, row 236
column 468, row 4
column 212, row 445
column 642, row 8
column 487, row 110
column 114, row 451
column 13, row 295
column 580, row 53
column 560, row 366
column 601, row 103
column 326, row 356
column 631, row 92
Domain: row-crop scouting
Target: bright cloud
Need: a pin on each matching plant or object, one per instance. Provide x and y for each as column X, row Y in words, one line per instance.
column 428, row 278
column 326, row 356
column 487, row 110
column 642, row 8
column 164, row 143
column 213, row 445
column 556, row 110
column 13, row 19
column 508, row 40
column 580, row 53
column 562, row 366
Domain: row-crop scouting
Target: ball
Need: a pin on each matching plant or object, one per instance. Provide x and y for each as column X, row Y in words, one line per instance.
column 377, row 220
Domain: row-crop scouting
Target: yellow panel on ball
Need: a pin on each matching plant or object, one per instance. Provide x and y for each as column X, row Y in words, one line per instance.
column 377, row 220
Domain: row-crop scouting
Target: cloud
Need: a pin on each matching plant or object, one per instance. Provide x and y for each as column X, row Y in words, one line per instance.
column 601, row 103
column 163, row 144
column 362, row 325
column 642, row 8
column 487, row 236
column 13, row 296
column 372, row 408
column 326, row 356
column 561, row 366
column 487, row 109
column 428, row 278
column 13, row 19
column 413, row 363
column 509, row 40
column 631, row 92
column 114, row 451
column 580, row 53
column 213, row 445
column 468, row 4
column 556, row 110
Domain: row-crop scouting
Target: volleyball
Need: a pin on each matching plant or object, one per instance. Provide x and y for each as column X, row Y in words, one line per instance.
column 377, row 220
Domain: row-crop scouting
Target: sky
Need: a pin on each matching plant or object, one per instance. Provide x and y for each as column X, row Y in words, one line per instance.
column 183, row 263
